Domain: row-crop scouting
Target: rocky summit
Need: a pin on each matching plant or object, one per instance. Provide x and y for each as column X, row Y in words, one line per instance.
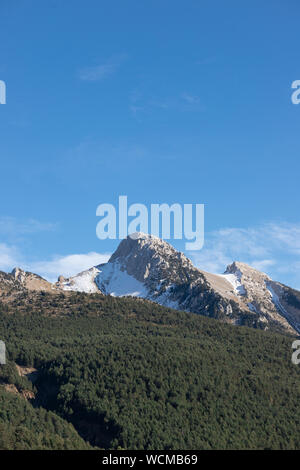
column 148, row 267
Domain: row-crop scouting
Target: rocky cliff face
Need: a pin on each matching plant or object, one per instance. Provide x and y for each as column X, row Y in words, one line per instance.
column 19, row 281
column 257, row 292
column 31, row 281
column 9, row 285
column 151, row 268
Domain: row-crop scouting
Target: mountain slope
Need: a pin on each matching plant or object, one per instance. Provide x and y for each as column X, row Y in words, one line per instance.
column 23, row 427
column 148, row 267
column 19, row 281
column 130, row 373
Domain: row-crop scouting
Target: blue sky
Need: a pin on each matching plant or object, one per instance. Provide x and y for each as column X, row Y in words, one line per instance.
column 162, row 101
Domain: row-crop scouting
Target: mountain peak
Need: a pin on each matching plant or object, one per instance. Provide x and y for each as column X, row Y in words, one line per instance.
column 243, row 269
column 237, row 266
column 16, row 272
column 146, row 266
column 149, row 259
column 31, row 281
column 144, row 245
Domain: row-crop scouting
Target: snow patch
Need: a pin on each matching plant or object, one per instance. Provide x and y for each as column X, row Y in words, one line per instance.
column 164, row 299
column 235, row 281
column 276, row 301
column 111, row 279
column 83, row 282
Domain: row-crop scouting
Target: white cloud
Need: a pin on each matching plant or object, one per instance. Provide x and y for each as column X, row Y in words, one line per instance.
column 287, row 236
column 263, row 264
column 9, row 257
column 273, row 248
column 67, row 265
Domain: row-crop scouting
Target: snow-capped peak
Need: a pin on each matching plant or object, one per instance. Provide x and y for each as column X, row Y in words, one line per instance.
column 148, row 267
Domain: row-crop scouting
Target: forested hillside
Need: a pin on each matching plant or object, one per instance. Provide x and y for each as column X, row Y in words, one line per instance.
column 128, row 373
column 23, row 427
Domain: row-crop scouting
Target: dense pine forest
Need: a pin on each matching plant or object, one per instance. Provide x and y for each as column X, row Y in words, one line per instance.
column 129, row 374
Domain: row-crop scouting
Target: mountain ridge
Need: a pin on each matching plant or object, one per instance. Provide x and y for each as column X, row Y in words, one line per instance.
column 148, row 267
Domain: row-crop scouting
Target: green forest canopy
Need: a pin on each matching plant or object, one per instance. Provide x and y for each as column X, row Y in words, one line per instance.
column 132, row 374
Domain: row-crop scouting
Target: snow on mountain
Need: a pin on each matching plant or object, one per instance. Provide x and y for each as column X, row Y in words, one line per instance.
column 111, row 279
column 235, row 281
column 140, row 267
column 82, row 282
column 254, row 289
column 148, row 267
column 286, row 301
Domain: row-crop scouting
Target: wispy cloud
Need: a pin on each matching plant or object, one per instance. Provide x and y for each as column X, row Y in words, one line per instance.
column 15, row 233
column 13, row 226
column 273, row 248
column 50, row 269
column 101, row 71
column 145, row 103
column 67, row 265
column 9, row 257
column 191, row 99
